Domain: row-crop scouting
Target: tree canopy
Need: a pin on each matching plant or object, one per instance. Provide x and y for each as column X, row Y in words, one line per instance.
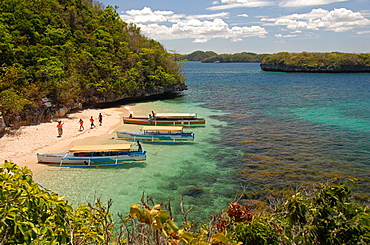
column 305, row 61
column 237, row 57
column 72, row 49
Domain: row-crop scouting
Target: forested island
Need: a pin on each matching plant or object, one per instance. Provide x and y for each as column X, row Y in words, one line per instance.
column 334, row 62
column 59, row 55
column 212, row 57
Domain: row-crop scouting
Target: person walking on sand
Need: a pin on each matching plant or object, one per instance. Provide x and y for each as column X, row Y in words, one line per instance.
column 81, row 122
column 92, row 122
column 100, row 119
column 60, row 128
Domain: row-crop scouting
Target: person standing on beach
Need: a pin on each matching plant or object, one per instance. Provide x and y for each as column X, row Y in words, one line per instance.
column 81, row 122
column 92, row 122
column 100, row 119
column 60, row 128
column 139, row 146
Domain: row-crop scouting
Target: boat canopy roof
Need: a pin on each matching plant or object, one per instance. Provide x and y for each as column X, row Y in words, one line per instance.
column 99, row 148
column 162, row 128
column 175, row 115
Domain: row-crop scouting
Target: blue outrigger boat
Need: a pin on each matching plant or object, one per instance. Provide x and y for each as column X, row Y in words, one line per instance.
column 159, row 134
column 93, row 156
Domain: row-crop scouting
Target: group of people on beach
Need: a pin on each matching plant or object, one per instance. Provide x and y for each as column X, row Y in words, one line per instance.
column 81, row 123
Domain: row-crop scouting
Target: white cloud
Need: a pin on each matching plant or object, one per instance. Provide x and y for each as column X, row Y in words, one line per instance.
column 201, row 31
column 337, row 20
column 146, row 15
column 363, row 32
column 285, row 36
column 201, row 28
column 305, row 3
column 230, row 4
column 208, row 16
column 243, row 15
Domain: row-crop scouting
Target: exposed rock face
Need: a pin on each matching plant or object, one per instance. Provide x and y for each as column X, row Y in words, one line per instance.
column 40, row 112
column 282, row 67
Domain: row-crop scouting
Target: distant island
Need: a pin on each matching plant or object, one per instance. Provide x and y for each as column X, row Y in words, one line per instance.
column 212, row 57
column 334, row 62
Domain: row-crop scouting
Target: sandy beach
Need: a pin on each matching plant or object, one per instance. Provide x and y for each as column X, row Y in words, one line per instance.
column 21, row 145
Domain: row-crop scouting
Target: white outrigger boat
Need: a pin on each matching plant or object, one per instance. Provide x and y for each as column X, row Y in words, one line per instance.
column 159, row 134
column 167, row 119
column 93, row 155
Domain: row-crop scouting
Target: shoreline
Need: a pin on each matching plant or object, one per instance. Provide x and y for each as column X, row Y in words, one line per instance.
column 21, row 145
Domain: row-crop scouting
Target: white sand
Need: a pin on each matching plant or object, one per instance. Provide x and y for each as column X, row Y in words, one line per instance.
column 21, row 145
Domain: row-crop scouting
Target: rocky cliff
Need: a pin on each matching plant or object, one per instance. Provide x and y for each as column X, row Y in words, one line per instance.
column 46, row 111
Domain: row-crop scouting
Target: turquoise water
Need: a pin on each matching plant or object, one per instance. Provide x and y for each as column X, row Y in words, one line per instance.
column 265, row 133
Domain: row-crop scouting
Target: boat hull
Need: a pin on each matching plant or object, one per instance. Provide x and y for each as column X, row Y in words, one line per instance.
column 157, row 138
column 164, row 122
column 70, row 160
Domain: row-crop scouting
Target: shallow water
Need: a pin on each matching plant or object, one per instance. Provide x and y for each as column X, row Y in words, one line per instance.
column 265, row 134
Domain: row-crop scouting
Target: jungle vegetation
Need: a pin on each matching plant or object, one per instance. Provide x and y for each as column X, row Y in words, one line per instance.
column 334, row 59
column 71, row 49
column 31, row 214
column 237, row 57
column 197, row 55
column 212, row 57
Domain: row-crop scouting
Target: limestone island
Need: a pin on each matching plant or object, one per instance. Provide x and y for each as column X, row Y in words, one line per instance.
column 334, row 62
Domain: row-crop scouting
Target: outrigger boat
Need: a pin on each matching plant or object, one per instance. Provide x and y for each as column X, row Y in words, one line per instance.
column 93, row 155
column 167, row 119
column 159, row 134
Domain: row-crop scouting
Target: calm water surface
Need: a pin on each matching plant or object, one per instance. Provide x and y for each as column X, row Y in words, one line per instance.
column 266, row 134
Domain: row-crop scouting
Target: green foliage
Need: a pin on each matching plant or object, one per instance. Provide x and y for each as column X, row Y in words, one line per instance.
column 29, row 214
column 330, row 60
column 238, row 57
column 198, row 55
column 326, row 217
column 13, row 100
column 212, row 57
column 74, row 48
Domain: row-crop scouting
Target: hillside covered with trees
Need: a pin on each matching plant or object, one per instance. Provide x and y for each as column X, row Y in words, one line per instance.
column 197, row 55
column 75, row 53
column 317, row 62
column 212, row 57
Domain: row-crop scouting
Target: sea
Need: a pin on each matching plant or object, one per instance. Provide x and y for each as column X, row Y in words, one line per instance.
column 267, row 136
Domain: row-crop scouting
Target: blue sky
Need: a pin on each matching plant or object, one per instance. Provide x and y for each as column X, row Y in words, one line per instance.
column 259, row 26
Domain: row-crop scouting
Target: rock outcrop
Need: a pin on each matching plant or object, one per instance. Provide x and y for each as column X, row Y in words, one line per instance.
column 42, row 112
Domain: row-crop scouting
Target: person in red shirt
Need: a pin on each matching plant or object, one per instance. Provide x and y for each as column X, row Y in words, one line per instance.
column 60, row 128
column 81, row 122
column 92, row 122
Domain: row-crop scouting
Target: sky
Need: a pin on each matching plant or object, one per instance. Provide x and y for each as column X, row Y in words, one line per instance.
column 258, row 26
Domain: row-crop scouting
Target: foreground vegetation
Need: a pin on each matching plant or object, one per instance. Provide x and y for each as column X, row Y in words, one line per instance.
column 31, row 214
column 75, row 51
